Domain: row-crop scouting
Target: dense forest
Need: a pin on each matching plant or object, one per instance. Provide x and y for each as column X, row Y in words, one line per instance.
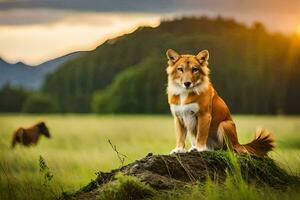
column 253, row 70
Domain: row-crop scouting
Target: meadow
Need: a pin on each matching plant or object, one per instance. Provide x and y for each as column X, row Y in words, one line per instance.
column 79, row 147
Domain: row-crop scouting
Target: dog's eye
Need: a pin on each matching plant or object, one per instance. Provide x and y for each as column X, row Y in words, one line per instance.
column 180, row 69
column 195, row 69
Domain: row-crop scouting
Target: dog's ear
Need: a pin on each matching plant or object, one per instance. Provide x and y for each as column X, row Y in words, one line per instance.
column 202, row 56
column 172, row 55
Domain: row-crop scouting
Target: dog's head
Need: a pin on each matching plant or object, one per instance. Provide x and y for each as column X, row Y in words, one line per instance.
column 44, row 129
column 187, row 71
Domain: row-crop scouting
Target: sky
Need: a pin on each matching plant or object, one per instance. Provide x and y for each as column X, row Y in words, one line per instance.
column 34, row 31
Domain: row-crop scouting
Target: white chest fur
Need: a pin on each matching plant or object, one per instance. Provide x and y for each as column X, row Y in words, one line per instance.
column 187, row 114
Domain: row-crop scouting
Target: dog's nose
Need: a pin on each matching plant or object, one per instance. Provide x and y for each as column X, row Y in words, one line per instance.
column 187, row 84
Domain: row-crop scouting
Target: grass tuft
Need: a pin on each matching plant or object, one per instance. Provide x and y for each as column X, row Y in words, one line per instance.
column 125, row 187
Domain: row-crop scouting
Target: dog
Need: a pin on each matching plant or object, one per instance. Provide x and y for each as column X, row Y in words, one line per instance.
column 29, row 136
column 199, row 111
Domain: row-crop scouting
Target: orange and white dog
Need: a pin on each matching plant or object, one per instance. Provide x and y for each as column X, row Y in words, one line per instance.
column 200, row 112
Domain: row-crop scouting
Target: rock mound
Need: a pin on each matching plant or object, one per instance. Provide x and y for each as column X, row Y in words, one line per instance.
column 165, row 172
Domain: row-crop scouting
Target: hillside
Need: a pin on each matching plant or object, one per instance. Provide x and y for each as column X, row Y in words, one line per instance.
column 253, row 70
column 30, row 77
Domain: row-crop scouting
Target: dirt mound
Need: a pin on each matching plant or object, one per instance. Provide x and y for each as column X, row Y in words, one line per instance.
column 164, row 172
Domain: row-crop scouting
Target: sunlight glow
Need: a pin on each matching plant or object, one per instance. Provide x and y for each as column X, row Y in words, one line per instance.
column 36, row 43
column 298, row 30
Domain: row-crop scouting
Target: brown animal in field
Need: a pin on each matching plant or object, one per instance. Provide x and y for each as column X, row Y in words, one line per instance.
column 29, row 136
column 199, row 111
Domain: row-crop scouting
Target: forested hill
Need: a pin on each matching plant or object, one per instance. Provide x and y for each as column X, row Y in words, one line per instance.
column 253, row 70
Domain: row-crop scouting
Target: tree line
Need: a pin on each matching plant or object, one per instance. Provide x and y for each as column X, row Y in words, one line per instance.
column 255, row 71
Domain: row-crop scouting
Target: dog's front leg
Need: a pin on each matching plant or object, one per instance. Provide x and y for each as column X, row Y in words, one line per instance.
column 180, row 136
column 203, row 125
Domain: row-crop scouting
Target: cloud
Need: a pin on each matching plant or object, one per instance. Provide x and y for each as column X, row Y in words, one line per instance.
column 29, row 17
column 271, row 12
column 36, row 43
column 93, row 5
column 251, row 6
column 71, row 25
column 49, row 16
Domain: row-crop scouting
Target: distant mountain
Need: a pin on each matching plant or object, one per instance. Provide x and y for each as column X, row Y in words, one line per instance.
column 30, row 77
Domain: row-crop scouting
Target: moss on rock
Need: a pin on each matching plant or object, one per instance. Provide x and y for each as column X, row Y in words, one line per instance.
column 172, row 172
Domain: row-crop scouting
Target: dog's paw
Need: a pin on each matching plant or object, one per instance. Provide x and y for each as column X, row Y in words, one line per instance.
column 198, row 149
column 193, row 149
column 178, row 150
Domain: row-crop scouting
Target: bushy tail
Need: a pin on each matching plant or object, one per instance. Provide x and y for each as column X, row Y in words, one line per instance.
column 260, row 146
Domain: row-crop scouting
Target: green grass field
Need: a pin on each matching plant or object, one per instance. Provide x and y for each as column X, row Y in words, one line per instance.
column 79, row 147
